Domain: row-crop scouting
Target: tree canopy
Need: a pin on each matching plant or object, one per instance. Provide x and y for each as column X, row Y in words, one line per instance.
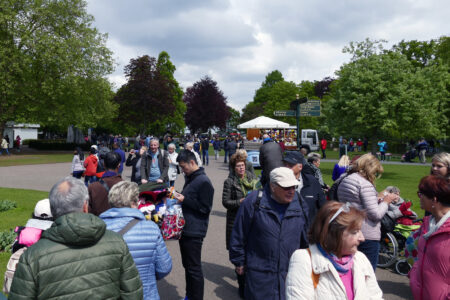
column 206, row 106
column 53, row 65
column 150, row 101
column 381, row 94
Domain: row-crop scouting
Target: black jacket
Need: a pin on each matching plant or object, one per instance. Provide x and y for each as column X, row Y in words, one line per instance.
column 132, row 161
column 270, row 157
column 313, row 195
column 198, row 195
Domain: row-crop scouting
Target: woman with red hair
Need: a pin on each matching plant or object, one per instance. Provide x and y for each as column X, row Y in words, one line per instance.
column 430, row 275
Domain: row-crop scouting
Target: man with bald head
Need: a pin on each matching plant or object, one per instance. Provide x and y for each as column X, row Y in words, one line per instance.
column 76, row 257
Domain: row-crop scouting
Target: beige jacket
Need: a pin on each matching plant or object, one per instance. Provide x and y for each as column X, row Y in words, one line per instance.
column 299, row 283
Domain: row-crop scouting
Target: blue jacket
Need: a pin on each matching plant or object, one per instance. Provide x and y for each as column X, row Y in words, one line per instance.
column 264, row 244
column 338, row 171
column 122, row 159
column 146, row 246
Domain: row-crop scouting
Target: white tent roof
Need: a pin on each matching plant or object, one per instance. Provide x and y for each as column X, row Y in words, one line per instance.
column 263, row 123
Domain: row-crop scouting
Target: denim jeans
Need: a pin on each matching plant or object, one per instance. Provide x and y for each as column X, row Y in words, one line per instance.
column 226, row 156
column 89, row 179
column 4, row 149
column 191, row 258
column 205, row 155
column 216, row 153
column 371, row 249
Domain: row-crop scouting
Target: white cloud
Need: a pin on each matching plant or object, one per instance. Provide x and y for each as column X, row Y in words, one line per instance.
column 238, row 43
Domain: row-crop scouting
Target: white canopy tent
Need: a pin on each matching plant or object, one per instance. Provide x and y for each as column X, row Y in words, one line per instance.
column 264, row 123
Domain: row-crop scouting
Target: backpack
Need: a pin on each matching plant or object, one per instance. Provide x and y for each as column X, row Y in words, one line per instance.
column 11, row 269
column 333, row 191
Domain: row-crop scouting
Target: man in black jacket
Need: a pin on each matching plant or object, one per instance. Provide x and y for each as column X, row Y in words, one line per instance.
column 309, row 187
column 270, row 157
column 196, row 198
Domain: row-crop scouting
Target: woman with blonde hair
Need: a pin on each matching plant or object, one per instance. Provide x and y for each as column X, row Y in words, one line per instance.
column 341, row 167
column 440, row 164
column 190, row 146
column 358, row 188
column 332, row 267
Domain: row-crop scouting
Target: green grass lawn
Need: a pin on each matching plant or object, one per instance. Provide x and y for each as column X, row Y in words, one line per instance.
column 33, row 159
column 26, row 200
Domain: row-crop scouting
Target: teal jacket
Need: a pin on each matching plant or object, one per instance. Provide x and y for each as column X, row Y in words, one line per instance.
column 77, row 258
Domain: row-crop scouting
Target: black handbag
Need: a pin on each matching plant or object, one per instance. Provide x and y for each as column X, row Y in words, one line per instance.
column 387, row 223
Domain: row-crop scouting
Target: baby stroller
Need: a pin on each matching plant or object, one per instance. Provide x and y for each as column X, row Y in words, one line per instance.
column 409, row 156
column 392, row 244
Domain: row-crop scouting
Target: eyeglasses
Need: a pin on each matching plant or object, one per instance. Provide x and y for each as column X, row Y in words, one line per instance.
column 344, row 208
column 287, row 188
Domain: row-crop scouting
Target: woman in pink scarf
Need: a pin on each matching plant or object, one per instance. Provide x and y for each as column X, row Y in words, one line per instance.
column 332, row 267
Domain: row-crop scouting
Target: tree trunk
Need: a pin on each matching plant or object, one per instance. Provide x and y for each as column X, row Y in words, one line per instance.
column 374, row 142
column 2, row 128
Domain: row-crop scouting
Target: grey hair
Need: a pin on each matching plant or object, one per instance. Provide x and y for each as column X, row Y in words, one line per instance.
column 171, row 145
column 123, row 194
column 67, row 195
column 189, row 145
column 154, row 140
column 313, row 157
column 393, row 189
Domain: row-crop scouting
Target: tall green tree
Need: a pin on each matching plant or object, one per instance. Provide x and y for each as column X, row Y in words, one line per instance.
column 234, row 119
column 255, row 108
column 384, row 94
column 51, row 56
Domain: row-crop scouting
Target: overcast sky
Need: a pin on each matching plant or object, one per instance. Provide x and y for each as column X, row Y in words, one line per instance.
column 238, row 42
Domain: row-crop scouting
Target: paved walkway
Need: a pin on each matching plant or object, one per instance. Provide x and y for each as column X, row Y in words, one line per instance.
column 219, row 274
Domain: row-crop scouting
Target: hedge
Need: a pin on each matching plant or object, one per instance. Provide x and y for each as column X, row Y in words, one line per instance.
column 56, row 145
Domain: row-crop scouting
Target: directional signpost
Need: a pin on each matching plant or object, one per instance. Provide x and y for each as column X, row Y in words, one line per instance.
column 284, row 113
column 300, row 108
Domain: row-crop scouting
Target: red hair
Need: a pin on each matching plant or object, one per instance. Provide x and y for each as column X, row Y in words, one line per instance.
column 436, row 186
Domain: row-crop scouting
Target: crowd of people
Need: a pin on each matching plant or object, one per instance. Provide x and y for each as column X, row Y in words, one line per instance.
column 284, row 238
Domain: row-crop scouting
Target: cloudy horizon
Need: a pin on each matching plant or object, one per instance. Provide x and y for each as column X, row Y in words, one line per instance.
column 237, row 43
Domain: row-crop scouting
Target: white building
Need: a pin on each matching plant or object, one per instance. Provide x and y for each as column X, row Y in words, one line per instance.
column 25, row 131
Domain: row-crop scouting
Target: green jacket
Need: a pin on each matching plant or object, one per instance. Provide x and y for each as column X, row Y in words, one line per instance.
column 77, row 258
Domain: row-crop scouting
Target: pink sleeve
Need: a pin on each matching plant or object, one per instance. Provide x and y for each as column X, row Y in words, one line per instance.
column 29, row 236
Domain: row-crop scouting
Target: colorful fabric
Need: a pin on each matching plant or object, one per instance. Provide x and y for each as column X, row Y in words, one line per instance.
column 342, row 265
column 172, row 225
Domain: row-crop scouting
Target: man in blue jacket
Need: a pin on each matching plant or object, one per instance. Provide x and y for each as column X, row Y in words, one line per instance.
column 196, row 198
column 270, row 225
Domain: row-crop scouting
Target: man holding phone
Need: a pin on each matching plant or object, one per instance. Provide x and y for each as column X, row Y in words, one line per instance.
column 196, row 201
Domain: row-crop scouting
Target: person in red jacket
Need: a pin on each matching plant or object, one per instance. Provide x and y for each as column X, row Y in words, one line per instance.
column 90, row 164
column 323, row 146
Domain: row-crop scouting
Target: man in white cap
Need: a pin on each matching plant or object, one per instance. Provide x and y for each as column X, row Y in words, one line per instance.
column 270, row 225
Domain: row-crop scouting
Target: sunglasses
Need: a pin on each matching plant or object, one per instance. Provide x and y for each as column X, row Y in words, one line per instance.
column 287, row 188
column 344, row 208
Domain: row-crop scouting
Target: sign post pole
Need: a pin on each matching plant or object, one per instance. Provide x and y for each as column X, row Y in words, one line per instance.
column 297, row 116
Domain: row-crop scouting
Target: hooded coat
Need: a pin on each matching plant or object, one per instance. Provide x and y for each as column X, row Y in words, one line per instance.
column 430, row 274
column 77, row 258
column 146, row 246
column 263, row 243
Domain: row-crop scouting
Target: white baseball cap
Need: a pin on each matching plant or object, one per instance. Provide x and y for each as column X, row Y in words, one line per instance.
column 42, row 209
column 283, row 177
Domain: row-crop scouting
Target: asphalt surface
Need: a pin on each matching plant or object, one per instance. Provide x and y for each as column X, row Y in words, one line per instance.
column 220, row 282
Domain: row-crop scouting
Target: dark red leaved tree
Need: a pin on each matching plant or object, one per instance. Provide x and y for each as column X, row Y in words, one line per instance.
column 206, row 106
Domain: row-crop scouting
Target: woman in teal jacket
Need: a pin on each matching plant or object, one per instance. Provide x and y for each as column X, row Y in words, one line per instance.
column 144, row 239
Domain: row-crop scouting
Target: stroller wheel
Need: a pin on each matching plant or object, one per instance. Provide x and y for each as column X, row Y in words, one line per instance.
column 388, row 251
column 402, row 267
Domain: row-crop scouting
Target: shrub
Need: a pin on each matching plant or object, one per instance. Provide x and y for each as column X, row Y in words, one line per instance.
column 7, row 205
column 57, row 145
column 7, row 239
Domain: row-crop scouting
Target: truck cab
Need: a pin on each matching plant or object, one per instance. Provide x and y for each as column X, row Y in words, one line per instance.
column 310, row 140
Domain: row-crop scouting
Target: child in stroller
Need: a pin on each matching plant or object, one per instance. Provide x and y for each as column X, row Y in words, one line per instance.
column 398, row 223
